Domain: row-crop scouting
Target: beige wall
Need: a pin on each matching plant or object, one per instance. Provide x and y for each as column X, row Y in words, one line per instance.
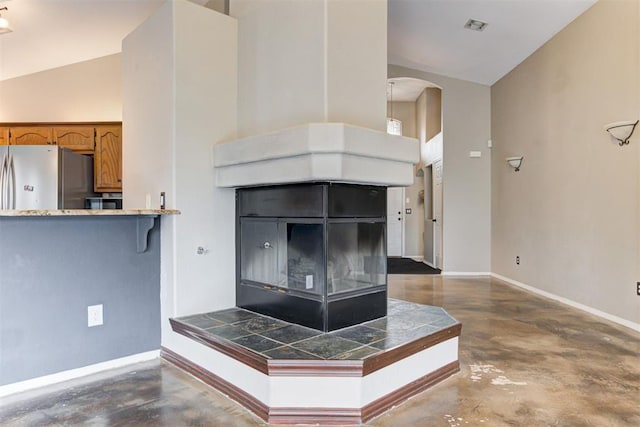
column 467, row 181
column 406, row 113
column 429, row 124
column 85, row 91
column 571, row 213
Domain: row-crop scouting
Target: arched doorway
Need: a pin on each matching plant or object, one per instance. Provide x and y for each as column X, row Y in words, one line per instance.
column 412, row 231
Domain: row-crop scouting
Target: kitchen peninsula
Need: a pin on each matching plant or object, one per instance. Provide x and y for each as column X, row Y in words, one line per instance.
column 57, row 263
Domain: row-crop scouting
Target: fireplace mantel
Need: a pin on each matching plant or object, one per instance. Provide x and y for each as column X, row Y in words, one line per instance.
column 331, row 152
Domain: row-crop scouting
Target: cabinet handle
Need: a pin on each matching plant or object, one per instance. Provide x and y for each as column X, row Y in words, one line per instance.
column 267, row 245
column 119, row 179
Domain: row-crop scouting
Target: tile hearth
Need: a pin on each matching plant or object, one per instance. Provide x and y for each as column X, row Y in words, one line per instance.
column 287, row 374
column 276, row 339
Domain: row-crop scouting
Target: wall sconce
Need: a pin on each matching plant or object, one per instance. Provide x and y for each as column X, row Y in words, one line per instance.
column 515, row 162
column 4, row 24
column 621, row 131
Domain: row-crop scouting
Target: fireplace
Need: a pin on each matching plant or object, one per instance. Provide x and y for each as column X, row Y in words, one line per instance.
column 313, row 254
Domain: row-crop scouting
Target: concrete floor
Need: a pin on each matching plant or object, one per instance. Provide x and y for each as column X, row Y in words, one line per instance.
column 525, row 361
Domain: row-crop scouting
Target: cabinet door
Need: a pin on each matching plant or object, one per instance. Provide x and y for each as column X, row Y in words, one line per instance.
column 77, row 138
column 31, row 135
column 108, row 159
column 4, row 136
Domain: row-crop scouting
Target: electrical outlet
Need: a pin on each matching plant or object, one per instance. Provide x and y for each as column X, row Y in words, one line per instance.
column 517, row 260
column 94, row 315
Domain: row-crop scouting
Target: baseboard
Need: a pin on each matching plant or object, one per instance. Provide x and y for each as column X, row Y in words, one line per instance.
column 466, row 273
column 71, row 374
column 571, row 303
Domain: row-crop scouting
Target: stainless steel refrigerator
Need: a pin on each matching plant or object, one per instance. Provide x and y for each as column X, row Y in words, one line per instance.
column 44, row 177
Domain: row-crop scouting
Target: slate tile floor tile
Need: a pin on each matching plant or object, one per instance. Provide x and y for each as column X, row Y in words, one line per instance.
column 228, row 332
column 361, row 334
column 357, row 353
column 327, row 346
column 289, row 353
column 232, row 315
column 260, row 324
column 291, row 333
column 406, row 321
column 257, row 343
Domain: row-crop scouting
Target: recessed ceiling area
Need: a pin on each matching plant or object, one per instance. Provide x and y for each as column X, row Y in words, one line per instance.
column 429, row 35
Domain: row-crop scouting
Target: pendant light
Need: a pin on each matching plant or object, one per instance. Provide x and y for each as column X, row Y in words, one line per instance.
column 394, row 126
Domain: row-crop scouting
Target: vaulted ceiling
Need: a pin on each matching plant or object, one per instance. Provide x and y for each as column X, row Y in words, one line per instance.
column 423, row 34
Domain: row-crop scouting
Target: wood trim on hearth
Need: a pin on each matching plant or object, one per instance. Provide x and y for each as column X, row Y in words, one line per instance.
column 320, row 416
column 386, row 358
column 323, row 416
column 223, row 386
column 383, row 404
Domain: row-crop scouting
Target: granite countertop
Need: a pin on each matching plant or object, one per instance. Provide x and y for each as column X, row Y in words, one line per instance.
column 89, row 212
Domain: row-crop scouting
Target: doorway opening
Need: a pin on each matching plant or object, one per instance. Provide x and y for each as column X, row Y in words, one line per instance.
column 415, row 213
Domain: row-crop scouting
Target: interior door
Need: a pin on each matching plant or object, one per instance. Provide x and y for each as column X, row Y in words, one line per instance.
column 437, row 212
column 395, row 221
column 428, row 217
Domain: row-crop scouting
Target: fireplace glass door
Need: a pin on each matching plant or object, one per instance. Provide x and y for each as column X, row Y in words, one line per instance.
column 356, row 257
column 283, row 253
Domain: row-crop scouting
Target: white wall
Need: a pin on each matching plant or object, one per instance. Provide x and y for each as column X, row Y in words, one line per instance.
column 310, row 61
column 180, row 71
column 85, row 91
column 467, row 181
column 571, row 212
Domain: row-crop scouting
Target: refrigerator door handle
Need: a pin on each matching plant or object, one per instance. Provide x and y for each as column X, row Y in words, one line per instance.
column 12, row 175
column 3, row 183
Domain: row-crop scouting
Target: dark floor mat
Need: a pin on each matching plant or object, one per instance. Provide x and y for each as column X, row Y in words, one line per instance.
column 408, row 266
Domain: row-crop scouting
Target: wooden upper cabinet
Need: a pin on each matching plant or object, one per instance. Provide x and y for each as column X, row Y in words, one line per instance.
column 31, row 135
column 4, row 136
column 77, row 138
column 108, row 159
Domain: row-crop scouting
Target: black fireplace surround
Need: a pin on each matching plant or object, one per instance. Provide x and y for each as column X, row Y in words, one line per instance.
column 312, row 254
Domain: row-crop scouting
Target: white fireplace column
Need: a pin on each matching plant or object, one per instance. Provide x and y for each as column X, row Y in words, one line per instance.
column 312, row 89
column 310, row 61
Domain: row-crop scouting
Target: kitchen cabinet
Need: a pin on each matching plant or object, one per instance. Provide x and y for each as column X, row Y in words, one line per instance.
column 77, row 138
column 31, row 135
column 4, row 136
column 103, row 140
column 108, row 159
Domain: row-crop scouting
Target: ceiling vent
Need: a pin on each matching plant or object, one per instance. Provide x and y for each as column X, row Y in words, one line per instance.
column 475, row 25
